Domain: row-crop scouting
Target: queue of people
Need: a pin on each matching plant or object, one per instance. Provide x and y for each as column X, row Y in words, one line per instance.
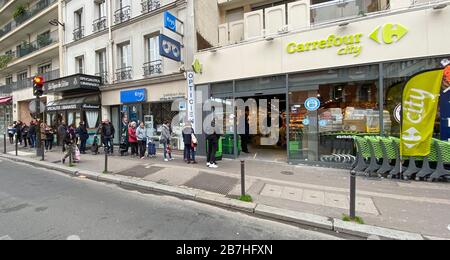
column 133, row 137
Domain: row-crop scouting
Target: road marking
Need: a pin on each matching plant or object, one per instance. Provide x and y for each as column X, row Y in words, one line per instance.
column 448, row 227
column 73, row 237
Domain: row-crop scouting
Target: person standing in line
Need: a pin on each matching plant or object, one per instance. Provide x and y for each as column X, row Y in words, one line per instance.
column 212, row 140
column 32, row 134
column 106, row 131
column 24, row 131
column 189, row 144
column 62, row 129
column 141, row 134
column 165, row 140
column 132, row 138
column 19, row 132
column 84, row 136
column 49, row 136
column 124, row 136
column 69, row 141
column 11, row 133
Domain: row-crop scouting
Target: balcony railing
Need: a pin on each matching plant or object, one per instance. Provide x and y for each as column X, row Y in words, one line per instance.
column 124, row 74
column 104, row 76
column 344, row 9
column 28, row 83
column 27, row 48
column 153, row 68
column 37, row 8
column 100, row 24
column 122, row 15
column 150, row 5
column 78, row 33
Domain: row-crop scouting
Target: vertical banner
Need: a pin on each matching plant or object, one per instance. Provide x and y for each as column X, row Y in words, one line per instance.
column 419, row 109
column 191, row 97
column 445, row 106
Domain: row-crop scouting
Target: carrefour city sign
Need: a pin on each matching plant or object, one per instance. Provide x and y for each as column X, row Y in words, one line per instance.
column 351, row 44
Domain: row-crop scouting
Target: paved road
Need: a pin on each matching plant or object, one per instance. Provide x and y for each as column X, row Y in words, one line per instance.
column 41, row 204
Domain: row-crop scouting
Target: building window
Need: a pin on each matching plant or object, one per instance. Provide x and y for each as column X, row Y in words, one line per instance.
column 78, row 32
column 153, row 63
column 102, row 66
column 150, row 5
column 79, row 63
column 22, row 76
column 100, row 23
column 44, row 68
column 124, row 12
column 9, row 80
column 124, row 62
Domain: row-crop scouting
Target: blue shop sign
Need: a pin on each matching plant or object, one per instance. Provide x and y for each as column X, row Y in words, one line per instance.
column 169, row 48
column 170, row 21
column 133, row 96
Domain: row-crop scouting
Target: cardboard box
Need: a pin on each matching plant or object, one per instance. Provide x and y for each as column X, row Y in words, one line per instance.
column 355, row 125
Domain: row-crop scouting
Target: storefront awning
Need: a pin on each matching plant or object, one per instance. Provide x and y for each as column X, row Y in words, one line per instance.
column 73, row 82
column 89, row 102
column 5, row 100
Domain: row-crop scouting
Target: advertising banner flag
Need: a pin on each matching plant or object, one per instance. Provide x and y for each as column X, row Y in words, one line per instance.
column 419, row 109
column 445, row 106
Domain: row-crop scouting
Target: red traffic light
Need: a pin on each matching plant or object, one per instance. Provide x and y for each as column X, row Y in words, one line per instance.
column 38, row 80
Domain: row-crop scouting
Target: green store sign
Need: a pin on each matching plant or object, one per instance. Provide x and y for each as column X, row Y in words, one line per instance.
column 351, row 44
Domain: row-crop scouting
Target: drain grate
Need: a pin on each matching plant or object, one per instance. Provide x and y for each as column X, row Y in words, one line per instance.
column 213, row 183
column 140, row 171
column 287, row 173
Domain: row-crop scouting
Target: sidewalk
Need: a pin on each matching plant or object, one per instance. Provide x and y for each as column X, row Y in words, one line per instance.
column 418, row 207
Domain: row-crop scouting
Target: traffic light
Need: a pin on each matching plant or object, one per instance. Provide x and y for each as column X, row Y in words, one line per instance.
column 38, row 86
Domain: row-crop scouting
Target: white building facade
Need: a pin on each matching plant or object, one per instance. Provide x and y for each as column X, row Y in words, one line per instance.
column 119, row 42
column 29, row 46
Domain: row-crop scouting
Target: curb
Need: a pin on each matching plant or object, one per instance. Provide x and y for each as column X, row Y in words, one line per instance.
column 311, row 220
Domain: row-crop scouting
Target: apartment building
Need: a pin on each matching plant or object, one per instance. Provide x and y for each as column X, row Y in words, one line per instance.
column 29, row 46
column 112, row 67
column 336, row 68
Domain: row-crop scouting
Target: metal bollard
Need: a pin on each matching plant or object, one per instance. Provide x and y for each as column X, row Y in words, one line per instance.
column 243, row 178
column 17, row 145
column 352, row 194
column 70, row 155
column 43, row 151
column 4, row 143
column 106, row 161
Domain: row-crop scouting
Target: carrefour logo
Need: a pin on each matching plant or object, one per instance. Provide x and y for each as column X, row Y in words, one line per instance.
column 390, row 33
column 350, row 44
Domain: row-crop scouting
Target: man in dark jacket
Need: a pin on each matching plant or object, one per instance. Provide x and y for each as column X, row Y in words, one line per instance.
column 212, row 139
column 83, row 135
column 189, row 145
column 32, row 134
column 62, row 129
column 19, row 132
column 107, row 132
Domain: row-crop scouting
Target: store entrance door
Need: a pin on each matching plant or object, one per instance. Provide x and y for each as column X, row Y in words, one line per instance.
column 257, row 143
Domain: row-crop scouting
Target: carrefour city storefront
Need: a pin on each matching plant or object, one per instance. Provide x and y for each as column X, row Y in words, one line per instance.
column 331, row 83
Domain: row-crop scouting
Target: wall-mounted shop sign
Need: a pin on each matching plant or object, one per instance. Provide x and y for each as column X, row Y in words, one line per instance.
column 170, row 21
column 78, row 81
column 133, row 96
column 312, row 104
column 351, row 44
column 169, row 48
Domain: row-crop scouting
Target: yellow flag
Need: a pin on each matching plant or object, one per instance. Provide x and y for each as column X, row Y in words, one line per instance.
column 420, row 103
